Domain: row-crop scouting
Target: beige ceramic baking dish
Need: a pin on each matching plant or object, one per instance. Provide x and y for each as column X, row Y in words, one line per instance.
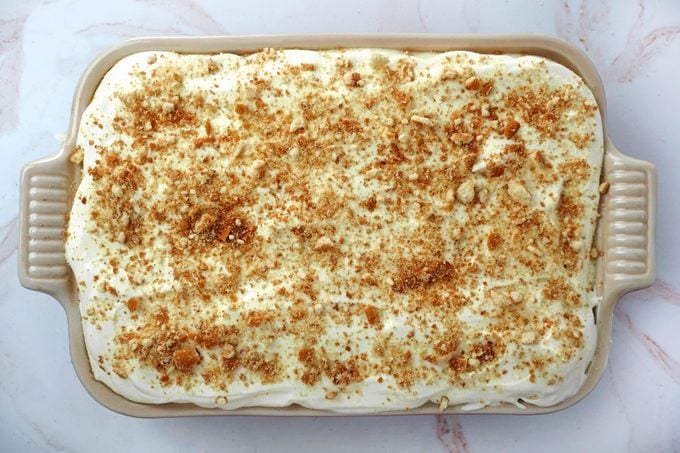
column 625, row 230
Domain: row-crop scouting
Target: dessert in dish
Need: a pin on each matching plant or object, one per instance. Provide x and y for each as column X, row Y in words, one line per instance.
column 354, row 230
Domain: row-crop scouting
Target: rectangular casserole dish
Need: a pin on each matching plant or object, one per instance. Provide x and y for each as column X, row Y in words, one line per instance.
column 625, row 231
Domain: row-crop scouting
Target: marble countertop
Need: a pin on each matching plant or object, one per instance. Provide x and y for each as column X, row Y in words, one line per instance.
column 44, row 47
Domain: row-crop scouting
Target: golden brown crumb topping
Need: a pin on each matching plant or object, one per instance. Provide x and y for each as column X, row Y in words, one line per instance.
column 279, row 229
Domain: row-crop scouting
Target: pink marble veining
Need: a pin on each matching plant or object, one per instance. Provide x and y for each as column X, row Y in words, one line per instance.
column 662, row 290
column 11, row 55
column 450, row 434
column 590, row 18
column 49, row 440
column 191, row 19
column 125, row 31
column 667, row 363
column 9, row 239
column 641, row 48
column 192, row 14
column 642, row 45
column 622, row 405
column 641, row 419
column 9, row 242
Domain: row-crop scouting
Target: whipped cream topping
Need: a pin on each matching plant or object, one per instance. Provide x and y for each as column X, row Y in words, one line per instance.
column 354, row 230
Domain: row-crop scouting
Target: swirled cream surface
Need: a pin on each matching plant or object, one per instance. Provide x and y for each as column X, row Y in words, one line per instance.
column 354, row 230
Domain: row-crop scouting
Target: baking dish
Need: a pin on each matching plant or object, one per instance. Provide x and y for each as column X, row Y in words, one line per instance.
column 625, row 230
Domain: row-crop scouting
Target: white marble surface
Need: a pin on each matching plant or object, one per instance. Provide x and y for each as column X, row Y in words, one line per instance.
column 44, row 47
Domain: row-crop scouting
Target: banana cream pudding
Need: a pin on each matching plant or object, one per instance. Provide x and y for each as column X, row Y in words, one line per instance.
column 354, row 230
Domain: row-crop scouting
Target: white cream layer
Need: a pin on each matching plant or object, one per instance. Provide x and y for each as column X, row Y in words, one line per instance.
column 84, row 253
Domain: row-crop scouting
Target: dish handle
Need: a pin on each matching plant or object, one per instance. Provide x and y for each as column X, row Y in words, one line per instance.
column 45, row 203
column 629, row 218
